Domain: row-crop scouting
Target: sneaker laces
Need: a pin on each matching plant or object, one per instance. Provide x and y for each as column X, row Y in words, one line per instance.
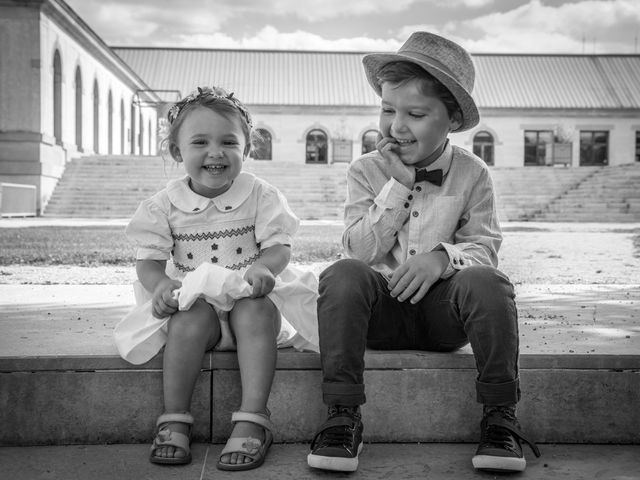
column 341, row 435
column 500, row 425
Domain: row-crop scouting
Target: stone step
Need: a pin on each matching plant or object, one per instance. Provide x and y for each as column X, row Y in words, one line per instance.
column 395, row 461
column 61, row 381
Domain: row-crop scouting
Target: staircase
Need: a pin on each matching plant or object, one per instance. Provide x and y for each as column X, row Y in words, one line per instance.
column 113, row 186
column 607, row 194
column 523, row 192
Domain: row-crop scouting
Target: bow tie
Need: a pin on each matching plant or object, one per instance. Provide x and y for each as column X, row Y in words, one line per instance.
column 433, row 176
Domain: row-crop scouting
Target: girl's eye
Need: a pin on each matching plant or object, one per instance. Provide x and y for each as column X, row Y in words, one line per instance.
column 417, row 115
column 387, row 111
column 198, row 142
column 231, row 142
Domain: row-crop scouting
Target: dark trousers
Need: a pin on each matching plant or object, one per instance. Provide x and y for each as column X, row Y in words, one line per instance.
column 476, row 305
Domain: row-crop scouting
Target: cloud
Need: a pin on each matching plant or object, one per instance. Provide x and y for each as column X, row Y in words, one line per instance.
column 269, row 38
column 581, row 27
column 318, row 11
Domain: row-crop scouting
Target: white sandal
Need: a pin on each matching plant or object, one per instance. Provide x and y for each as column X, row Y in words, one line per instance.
column 248, row 446
column 165, row 437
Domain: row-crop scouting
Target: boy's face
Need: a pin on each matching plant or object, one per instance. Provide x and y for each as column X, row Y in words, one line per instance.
column 418, row 123
column 211, row 146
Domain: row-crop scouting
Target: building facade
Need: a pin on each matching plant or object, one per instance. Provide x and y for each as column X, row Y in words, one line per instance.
column 64, row 93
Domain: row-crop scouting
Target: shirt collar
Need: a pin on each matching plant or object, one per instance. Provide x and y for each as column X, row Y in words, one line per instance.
column 185, row 199
column 443, row 162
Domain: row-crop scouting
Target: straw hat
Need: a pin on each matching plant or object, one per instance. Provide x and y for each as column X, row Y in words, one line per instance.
column 445, row 60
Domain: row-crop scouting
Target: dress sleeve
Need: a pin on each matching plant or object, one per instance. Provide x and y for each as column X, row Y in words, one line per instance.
column 149, row 230
column 276, row 224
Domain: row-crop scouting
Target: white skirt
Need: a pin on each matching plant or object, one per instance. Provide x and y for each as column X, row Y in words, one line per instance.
column 139, row 336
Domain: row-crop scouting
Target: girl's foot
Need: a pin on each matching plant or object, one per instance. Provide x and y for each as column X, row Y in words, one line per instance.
column 169, row 451
column 172, row 443
column 243, row 430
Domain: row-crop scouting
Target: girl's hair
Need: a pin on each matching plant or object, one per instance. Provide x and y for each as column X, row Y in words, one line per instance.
column 401, row 72
column 218, row 100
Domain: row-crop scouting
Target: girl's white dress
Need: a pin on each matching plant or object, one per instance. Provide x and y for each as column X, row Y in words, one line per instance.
column 223, row 236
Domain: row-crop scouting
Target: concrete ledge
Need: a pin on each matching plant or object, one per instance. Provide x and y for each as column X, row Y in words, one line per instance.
column 61, row 381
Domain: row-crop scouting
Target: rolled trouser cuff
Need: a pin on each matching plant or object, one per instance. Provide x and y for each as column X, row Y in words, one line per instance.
column 506, row 393
column 347, row 394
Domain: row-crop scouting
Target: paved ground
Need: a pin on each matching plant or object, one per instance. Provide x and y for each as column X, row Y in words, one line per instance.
column 47, row 320
column 378, row 461
column 583, row 300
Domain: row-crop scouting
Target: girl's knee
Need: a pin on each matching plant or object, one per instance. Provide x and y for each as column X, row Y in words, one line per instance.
column 200, row 320
column 255, row 316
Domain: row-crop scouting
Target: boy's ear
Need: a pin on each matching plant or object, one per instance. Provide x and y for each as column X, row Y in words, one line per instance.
column 175, row 152
column 455, row 121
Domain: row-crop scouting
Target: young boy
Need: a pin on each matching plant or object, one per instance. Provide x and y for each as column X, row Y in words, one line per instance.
column 422, row 237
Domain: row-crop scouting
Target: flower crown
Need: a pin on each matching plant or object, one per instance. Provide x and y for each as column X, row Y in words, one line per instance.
column 208, row 93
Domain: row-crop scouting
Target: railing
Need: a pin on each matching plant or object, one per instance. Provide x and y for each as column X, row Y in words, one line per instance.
column 17, row 200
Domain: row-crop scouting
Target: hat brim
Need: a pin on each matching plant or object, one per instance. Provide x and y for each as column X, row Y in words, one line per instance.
column 373, row 62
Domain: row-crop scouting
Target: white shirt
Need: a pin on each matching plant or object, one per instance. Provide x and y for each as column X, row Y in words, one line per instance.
column 385, row 222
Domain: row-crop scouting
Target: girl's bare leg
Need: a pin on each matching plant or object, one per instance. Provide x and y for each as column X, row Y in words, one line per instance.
column 191, row 334
column 256, row 323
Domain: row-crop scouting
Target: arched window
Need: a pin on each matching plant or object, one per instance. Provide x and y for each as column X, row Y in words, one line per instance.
column 316, row 147
column 110, row 122
column 122, row 127
column 57, row 97
column 369, row 140
column 132, row 134
column 262, row 150
column 483, row 146
column 96, row 117
column 78, row 88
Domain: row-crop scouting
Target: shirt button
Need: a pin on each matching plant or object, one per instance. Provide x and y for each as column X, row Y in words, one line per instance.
column 406, row 205
column 412, row 252
column 410, row 197
column 415, row 214
column 419, row 188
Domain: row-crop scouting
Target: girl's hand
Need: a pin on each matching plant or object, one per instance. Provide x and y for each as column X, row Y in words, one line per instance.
column 261, row 279
column 416, row 276
column 163, row 304
column 405, row 174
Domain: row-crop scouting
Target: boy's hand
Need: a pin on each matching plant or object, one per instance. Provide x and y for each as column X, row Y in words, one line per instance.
column 163, row 304
column 261, row 279
column 415, row 277
column 404, row 174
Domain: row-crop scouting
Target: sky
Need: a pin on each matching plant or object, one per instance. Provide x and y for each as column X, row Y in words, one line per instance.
column 481, row 26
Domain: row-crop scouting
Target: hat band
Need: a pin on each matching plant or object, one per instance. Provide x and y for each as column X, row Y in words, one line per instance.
column 432, row 62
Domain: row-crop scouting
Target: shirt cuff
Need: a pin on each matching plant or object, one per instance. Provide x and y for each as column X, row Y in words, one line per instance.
column 458, row 260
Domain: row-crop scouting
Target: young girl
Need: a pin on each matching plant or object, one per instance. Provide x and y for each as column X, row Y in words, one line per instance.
column 222, row 216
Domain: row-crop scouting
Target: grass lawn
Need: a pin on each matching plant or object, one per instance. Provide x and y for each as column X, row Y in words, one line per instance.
column 107, row 245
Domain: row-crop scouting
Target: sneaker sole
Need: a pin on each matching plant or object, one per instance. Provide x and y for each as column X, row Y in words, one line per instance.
column 336, row 464
column 499, row 464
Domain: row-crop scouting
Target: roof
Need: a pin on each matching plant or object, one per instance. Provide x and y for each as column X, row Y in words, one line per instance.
column 302, row 78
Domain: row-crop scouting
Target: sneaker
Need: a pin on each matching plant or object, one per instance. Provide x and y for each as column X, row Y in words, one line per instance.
column 500, row 449
column 338, row 443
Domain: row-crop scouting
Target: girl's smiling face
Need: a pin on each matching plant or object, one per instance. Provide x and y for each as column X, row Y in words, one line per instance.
column 212, row 147
column 419, row 123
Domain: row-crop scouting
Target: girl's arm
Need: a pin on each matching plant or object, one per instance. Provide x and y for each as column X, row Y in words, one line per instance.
column 151, row 274
column 262, row 274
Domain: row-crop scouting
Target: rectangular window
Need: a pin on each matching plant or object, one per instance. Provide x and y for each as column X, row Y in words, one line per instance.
column 594, row 147
column 535, row 146
column 637, row 146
